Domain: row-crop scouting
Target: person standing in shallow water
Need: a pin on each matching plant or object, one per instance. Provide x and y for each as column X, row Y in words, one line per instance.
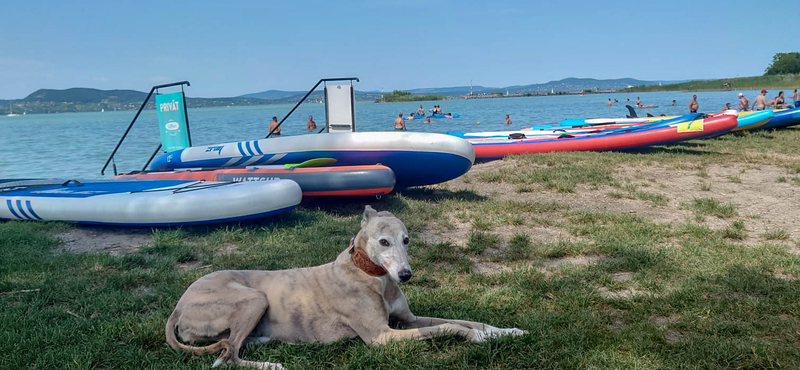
column 399, row 124
column 674, row 103
column 744, row 104
column 311, row 125
column 609, row 103
column 274, row 126
column 760, row 102
column 693, row 106
column 508, row 120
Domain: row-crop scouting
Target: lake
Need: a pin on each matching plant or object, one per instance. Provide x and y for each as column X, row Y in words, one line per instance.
column 76, row 145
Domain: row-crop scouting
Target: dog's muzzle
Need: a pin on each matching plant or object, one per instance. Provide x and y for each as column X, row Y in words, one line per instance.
column 404, row 275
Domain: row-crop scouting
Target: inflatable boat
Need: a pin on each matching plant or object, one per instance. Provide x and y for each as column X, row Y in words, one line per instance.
column 556, row 130
column 145, row 203
column 783, row 118
column 416, row 158
column 314, row 181
column 634, row 137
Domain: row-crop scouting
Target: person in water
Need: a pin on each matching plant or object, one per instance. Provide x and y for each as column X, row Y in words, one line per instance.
column 399, row 124
column 428, row 119
column 674, row 103
column 744, row 104
column 760, row 102
column 628, row 100
column 508, row 119
column 274, row 126
column 796, row 98
column 616, row 101
column 779, row 101
column 609, row 103
column 638, row 102
column 727, row 107
column 311, row 125
column 448, row 115
column 693, row 106
column 420, row 111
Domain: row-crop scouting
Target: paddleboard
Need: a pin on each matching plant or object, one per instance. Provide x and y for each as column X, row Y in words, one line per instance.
column 314, row 181
column 416, row 158
column 634, row 137
column 144, row 203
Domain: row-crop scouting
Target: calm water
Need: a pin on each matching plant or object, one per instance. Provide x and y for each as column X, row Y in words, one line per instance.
column 77, row 144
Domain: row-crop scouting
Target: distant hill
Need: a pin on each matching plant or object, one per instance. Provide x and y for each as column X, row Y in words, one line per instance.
column 571, row 84
column 282, row 96
column 272, row 94
column 85, row 95
column 81, row 99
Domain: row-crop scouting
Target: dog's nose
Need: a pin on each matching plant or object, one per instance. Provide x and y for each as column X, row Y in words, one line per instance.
column 404, row 275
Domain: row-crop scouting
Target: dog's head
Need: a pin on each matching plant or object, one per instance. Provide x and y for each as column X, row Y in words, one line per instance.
column 385, row 239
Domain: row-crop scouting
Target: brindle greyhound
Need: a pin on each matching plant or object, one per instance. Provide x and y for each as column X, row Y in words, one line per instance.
column 355, row 295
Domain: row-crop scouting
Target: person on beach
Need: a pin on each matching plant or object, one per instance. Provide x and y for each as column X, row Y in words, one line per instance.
column 693, row 106
column 311, row 125
column 420, row 111
column 508, row 119
column 743, row 103
column 674, row 103
column 274, row 126
column 760, row 102
column 399, row 124
column 609, row 103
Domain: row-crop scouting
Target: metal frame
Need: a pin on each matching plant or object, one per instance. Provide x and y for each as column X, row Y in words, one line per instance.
column 351, row 79
column 141, row 108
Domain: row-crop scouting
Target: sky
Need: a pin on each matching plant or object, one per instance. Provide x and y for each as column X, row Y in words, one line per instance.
column 230, row 48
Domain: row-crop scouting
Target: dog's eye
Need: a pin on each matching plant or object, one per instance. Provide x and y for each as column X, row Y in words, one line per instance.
column 405, row 240
column 384, row 242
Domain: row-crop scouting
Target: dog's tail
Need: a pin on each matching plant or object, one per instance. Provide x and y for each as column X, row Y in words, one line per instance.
column 223, row 345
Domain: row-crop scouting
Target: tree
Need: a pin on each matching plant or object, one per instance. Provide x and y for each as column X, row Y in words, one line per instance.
column 784, row 63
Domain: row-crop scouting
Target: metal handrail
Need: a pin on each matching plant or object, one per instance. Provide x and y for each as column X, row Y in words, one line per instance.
column 154, row 88
column 306, row 96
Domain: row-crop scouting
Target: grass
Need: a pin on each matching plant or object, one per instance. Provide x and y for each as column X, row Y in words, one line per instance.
column 630, row 191
column 708, row 300
column 789, row 81
column 712, row 207
column 777, row 234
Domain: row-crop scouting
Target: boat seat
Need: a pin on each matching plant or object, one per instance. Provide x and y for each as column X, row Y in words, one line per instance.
column 340, row 108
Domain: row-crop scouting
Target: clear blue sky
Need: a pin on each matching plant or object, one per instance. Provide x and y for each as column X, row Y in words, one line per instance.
column 229, row 48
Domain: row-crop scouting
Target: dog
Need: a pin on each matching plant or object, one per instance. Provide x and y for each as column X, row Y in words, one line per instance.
column 357, row 295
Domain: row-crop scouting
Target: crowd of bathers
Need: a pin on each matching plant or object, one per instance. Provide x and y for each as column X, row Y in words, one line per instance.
column 759, row 103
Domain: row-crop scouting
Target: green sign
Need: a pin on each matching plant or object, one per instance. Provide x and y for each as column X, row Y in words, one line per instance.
column 172, row 121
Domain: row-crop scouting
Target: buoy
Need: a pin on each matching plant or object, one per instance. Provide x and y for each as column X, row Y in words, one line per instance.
column 479, row 123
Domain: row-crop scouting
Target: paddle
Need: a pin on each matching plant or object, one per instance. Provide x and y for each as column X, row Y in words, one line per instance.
column 316, row 162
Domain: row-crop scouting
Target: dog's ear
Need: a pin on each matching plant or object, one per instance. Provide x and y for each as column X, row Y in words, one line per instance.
column 385, row 214
column 368, row 214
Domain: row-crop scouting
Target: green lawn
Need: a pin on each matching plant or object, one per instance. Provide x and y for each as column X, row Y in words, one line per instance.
column 786, row 82
column 617, row 291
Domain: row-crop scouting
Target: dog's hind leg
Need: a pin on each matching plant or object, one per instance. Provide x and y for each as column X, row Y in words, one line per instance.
column 251, row 304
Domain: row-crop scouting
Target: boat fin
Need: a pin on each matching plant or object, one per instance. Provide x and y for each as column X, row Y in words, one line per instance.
column 632, row 112
column 316, row 162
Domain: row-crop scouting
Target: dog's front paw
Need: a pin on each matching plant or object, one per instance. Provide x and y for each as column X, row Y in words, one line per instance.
column 514, row 332
column 479, row 336
column 500, row 332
